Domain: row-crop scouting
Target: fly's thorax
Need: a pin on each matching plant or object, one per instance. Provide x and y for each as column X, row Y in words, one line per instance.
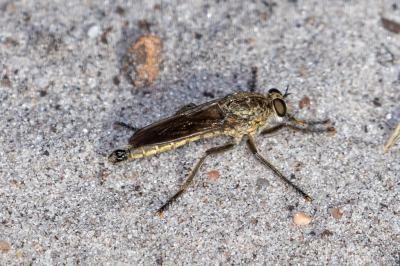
column 247, row 111
column 246, row 106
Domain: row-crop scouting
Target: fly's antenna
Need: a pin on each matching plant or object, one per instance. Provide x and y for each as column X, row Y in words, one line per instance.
column 253, row 82
column 286, row 92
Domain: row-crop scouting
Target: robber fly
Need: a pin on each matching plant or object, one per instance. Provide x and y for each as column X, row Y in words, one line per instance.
column 237, row 115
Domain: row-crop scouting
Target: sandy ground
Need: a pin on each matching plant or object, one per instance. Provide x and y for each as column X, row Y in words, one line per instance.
column 62, row 203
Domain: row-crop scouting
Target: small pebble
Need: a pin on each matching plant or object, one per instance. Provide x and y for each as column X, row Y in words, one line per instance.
column 34, row 71
column 42, row 82
column 335, row 212
column 19, row 254
column 309, row 20
column 143, row 60
column 213, row 175
column 94, row 31
column 301, row 219
column 4, row 247
column 262, row 183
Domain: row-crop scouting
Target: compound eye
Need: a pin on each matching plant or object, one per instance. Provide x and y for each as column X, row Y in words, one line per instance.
column 274, row 90
column 280, row 107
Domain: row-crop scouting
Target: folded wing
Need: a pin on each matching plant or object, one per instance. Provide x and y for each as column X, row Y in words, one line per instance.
column 195, row 121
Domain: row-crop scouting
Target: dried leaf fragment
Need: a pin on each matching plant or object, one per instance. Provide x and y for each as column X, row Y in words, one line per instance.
column 104, row 35
column 391, row 25
column 298, row 165
column 376, row 102
column 326, row 233
column 144, row 25
column 305, row 102
column 11, row 42
column 116, row 80
column 6, row 82
column 120, row 10
column 143, row 60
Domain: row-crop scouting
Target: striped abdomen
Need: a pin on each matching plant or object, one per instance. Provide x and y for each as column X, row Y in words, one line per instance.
column 135, row 153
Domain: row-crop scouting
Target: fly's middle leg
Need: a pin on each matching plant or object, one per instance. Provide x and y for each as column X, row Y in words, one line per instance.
column 253, row 149
column 273, row 130
column 189, row 179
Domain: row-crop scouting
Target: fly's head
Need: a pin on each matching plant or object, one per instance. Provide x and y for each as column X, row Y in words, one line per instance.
column 277, row 103
column 118, row 156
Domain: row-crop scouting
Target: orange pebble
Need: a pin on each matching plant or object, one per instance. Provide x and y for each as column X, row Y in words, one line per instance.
column 213, row 175
column 301, row 219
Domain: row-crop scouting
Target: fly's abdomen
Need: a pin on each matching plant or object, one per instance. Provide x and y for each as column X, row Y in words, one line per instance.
column 135, row 153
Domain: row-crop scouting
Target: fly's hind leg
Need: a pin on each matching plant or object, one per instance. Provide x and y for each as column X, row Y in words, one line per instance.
column 189, row 179
column 253, row 149
column 121, row 124
column 185, row 108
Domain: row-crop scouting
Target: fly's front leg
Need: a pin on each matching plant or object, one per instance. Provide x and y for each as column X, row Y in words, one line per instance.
column 192, row 174
column 121, row 124
column 330, row 130
column 273, row 130
column 308, row 123
column 253, row 149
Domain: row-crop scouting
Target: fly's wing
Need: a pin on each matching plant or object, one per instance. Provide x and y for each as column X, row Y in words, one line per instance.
column 196, row 121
